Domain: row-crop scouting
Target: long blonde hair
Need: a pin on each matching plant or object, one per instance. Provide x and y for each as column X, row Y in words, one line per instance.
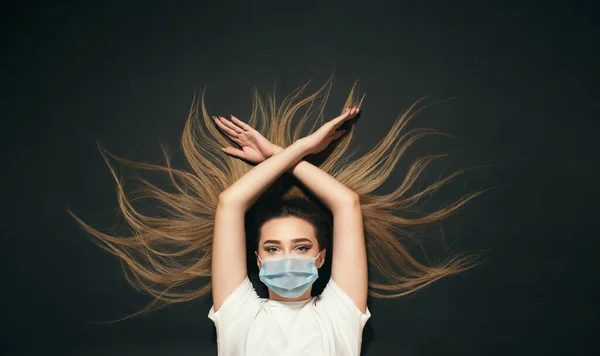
column 164, row 253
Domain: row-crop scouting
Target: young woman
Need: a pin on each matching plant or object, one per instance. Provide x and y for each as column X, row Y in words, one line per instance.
column 288, row 253
column 264, row 210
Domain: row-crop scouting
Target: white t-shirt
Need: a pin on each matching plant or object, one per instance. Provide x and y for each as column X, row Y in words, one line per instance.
column 329, row 324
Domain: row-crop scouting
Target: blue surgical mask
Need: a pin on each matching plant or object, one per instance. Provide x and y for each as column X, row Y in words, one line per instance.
column 289, row 276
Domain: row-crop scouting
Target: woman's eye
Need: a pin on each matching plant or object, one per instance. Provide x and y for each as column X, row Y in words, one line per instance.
column 303, row 248
column 271, row 249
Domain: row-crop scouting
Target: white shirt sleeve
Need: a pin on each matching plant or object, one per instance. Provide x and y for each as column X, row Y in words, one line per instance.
column 342, row 310
column 235, row 316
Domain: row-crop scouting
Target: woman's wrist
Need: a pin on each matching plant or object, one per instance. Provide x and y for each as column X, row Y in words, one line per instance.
column 276, row 149
column 300, row 143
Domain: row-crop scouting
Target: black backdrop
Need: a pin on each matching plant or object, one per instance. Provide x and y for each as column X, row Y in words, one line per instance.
column 523, row 82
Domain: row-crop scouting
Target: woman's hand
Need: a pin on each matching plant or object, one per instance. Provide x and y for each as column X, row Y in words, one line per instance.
column 255, row 147
column 320, row 139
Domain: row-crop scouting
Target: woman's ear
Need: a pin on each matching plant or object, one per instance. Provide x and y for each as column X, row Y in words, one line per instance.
column 258, row 263
column 322, row 255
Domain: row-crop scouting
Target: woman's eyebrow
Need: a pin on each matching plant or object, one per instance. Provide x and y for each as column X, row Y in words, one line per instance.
column 277, row 242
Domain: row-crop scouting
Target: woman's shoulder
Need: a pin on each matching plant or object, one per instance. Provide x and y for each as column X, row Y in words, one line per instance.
column 243, row 299
column 334, row 297
column 331, row 290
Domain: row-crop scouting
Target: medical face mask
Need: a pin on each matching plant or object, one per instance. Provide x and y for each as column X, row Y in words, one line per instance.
column 289, row 276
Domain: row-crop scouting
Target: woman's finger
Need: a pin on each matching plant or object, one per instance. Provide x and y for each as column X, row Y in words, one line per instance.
column 229, row 132
column 231, row 125
column 337, row 134
column 240, row 123
column 234, row 152
column 335, row 123
column 333, row 136
column 349, row 113
column 338, row 121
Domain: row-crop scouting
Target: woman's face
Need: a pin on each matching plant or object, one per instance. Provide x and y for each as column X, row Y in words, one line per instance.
column 288, row 236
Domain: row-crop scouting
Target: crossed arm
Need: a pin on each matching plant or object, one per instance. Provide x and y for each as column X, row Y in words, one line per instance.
column 349, row 263
column 349, row 260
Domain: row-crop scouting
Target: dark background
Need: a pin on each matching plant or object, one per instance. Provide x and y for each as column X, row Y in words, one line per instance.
column 523, row 78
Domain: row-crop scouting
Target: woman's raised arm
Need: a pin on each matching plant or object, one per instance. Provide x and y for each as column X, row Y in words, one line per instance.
column 228, row 262
column 349, row 266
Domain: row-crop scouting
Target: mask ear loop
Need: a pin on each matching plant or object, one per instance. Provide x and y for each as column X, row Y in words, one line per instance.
column 316, row 260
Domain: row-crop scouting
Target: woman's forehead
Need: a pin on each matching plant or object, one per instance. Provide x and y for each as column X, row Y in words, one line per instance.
column 287, row 229
column 288, row 223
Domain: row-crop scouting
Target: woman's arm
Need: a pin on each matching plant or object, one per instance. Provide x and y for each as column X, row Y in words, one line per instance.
column 349, row 262
column 349, row 268
column 228, row 265
column 329, row 190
